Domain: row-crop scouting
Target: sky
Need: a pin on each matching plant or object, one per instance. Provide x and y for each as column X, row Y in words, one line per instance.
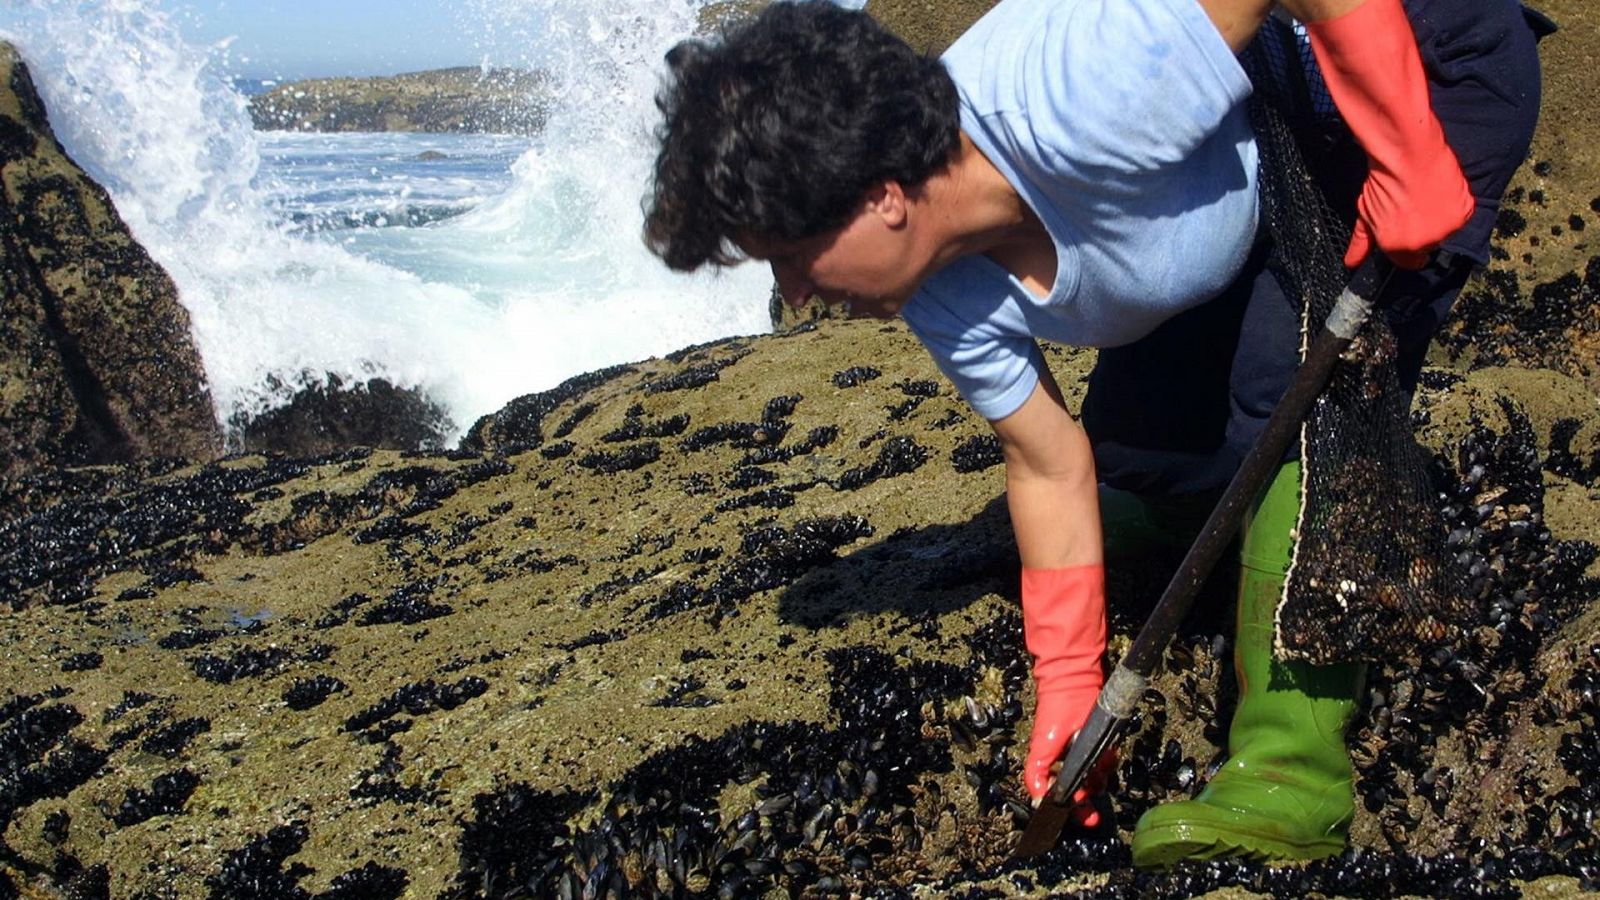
column 319, row 38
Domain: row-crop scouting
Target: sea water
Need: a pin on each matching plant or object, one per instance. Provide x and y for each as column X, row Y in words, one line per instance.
column 476, row 268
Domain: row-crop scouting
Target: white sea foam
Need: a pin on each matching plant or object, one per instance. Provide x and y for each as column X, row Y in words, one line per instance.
column 542, row 281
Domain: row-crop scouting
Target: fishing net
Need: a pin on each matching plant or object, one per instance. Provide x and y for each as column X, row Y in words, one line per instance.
column 1370, row 577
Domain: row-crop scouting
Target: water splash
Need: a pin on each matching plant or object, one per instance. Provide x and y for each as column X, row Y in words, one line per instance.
column 555, row 279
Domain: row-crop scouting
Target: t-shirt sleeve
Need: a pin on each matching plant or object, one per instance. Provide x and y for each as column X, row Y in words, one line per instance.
column 976, row 342
column 1126, row 86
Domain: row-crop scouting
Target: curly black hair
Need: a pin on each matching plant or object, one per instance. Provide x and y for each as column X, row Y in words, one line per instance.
column 777, row 129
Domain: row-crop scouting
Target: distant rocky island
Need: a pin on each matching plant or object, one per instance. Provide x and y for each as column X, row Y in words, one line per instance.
column 461, row 99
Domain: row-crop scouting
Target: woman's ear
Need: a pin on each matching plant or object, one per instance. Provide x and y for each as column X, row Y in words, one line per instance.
column 887, row 200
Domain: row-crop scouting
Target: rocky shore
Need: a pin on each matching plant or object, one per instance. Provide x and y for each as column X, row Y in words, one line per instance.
column 462, row 99
column 96, row 361
column 742, row 618
column 742, row 621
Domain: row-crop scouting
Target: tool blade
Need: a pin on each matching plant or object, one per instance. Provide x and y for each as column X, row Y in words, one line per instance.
column 1092, row 741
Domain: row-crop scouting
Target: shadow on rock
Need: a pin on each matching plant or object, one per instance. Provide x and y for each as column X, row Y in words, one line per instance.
column 922, row 573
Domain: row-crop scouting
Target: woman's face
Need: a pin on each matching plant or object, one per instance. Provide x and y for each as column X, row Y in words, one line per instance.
column 863, row 264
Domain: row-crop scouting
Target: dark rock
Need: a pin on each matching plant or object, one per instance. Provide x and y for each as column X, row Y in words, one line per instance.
column 519, row 424
column 97, row 356
column 331, row 416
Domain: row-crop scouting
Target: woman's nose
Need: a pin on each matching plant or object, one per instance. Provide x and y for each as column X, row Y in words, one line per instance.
column 795, row 288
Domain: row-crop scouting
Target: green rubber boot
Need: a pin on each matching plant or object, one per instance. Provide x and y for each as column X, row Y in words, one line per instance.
column 1285, row 791
column 1135, row 526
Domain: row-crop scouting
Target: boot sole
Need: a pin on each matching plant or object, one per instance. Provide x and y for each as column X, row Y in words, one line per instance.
column 1161, row 846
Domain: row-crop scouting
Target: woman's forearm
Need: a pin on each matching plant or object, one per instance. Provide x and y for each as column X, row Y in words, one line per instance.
column 1050, row 484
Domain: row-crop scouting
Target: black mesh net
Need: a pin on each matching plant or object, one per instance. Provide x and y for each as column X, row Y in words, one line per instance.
column 1370, row 578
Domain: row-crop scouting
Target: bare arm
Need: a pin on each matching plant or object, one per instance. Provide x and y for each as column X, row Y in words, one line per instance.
column 1238, row 20
column 1055, row 514
column 1050, row 482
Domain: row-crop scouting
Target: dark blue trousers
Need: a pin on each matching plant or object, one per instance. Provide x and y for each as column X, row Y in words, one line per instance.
column 1175, row 412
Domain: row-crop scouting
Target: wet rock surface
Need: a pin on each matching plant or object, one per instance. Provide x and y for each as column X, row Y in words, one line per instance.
column 330, row 416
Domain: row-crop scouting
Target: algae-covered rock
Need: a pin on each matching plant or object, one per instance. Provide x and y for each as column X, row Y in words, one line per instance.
column 721, row 14
column 96, row 360
column 929, row 26
column 741, row 619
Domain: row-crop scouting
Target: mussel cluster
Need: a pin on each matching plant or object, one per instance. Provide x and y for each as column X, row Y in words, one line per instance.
column 851, row 806
column 38, row 756
column 519, row 425
column 1495, row 323
column 913, row 783
column 1527, row 585
column 257, row 871
column 166, row 797
column 56, row 555
column 767, row 558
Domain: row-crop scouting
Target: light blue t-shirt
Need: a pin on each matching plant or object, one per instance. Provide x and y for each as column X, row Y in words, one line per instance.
column 1121, row 123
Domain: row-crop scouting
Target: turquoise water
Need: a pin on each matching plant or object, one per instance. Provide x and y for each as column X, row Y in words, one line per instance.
column 336, row 182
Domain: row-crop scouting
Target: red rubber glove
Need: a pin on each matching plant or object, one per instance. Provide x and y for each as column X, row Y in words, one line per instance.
column 1064, row 625
column 1415, row 195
